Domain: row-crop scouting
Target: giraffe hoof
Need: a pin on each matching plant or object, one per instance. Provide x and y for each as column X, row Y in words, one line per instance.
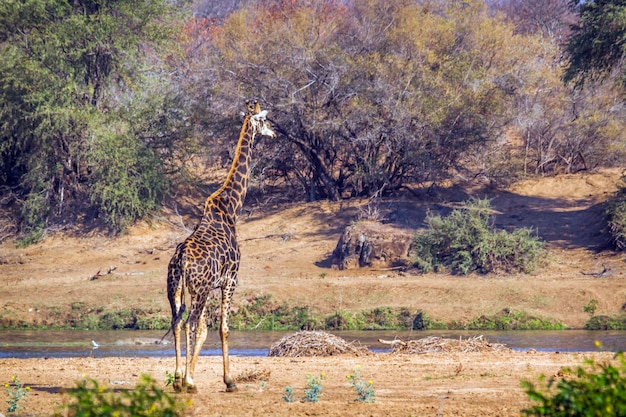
column 231, row 387
column 191, row 389
column 178, row 387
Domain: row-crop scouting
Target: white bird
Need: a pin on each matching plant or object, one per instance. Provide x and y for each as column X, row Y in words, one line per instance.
column 95, row 345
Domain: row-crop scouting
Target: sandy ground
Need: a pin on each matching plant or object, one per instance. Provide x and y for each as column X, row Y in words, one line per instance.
column 285, row 252
column 454, row 384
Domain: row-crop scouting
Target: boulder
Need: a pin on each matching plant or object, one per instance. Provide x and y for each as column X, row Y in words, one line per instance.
column 372, row 244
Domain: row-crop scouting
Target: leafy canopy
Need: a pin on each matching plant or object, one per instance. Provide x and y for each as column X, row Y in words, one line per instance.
column 71, row 84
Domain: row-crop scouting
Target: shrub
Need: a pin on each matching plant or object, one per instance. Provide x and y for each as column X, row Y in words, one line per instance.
column 466, row 241
column 595, row 390
column 616, row 217
column 508, row 319
column 617, row 322
column 146, row 400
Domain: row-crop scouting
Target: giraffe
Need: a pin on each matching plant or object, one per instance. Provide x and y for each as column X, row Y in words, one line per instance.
column 209, row 258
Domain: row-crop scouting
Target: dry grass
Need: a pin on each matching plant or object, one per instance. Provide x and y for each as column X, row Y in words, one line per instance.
column 254, row 375
column 440, row 344
column 310, row 343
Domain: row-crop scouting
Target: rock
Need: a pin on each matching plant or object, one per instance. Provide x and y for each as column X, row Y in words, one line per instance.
column 372, row 244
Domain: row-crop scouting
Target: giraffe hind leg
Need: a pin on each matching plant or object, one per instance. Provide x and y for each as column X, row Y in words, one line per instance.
column 175, row 297
column 196, row 336
column 177, row 325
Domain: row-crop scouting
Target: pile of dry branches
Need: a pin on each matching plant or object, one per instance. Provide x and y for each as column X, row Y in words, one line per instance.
column 309, row 343
column 440, row 344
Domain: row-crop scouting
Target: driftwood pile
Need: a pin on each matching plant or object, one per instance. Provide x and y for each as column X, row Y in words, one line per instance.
column 312, row 343
column 439, row 344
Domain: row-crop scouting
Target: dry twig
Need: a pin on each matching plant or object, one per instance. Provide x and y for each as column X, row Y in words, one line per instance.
column 440, row 344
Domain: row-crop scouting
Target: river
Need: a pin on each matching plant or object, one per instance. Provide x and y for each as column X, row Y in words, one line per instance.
column 128, row 343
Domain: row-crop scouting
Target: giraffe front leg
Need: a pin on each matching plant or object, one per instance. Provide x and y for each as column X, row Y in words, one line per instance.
column 231, row 386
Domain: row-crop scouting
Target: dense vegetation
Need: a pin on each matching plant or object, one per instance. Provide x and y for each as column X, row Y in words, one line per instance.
column 595, row 389
column 466, row 241
column 104, row 105
column 616, row 217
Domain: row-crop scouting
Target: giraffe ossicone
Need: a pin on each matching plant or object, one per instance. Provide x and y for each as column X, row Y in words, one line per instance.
column 209, row 259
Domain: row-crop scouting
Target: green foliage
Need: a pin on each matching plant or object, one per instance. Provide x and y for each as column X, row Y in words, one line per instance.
column 587, row 391
column 364, row 390
column 17, row 393
column 288, row 396
column 135, row 319
column 126, row 178
column 616, row 216
column 616, row 322
column 90, row 399
column 591, row 306
column 75, row 131
column 263, row 314
column 509, row 320
column 33, row 236
column 342, row 320
column 313, row 390
column 596, row 45
column 465, row 241
column 169, row 378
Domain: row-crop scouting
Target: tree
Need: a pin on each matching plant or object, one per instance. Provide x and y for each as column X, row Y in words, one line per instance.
column 598, row 41
column 368, row 95
column 75, row 77
column 550, row 18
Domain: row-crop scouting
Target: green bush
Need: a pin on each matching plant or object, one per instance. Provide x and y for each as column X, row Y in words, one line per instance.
column 595, row 390
column 616, row 217
column 617, row 322
column 90, row 399
column 466, row 241
column 508, row 319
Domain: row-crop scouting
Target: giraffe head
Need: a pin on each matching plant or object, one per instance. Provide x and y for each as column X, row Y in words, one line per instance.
column 258, row 120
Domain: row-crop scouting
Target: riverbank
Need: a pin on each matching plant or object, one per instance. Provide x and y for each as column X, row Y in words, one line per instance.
column 433, row 384
column 71, row 280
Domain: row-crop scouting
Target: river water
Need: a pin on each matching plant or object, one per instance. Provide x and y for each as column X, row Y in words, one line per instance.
column 77, row 343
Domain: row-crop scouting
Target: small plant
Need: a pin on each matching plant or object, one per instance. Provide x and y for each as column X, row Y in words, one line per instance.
column 169, row 378
column 594, row 390
column 16, row 392
column 364, row 390
column 89, row 398
column 313, row 392
column 590, row 307
column 288, row 396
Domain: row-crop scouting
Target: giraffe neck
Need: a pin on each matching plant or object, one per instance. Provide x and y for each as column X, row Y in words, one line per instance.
column 232, row 193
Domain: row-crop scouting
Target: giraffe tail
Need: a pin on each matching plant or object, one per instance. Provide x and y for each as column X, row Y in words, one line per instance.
column 178, row 317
